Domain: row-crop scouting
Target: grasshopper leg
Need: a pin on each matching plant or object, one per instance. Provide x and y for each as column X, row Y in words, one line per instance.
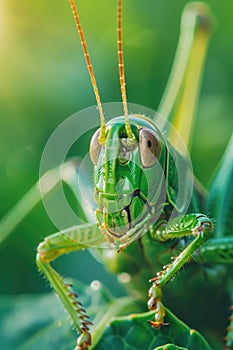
column 51, row 248
column 196, row 225
column 219, row 250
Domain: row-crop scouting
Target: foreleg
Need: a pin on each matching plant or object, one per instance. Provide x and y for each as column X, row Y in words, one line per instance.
column 197, row 226
column 52, row 247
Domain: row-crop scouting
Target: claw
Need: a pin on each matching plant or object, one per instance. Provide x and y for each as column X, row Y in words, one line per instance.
column 157, row 324
column 83, row 341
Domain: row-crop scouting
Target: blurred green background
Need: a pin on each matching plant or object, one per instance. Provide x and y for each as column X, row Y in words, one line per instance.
column 44, row 80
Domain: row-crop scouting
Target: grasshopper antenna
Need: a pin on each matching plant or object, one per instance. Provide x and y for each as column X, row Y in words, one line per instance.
column 131, row 137
column 91, row 72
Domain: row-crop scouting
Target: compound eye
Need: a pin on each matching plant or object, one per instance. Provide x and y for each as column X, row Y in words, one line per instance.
column 95, row 147
column 149, row 147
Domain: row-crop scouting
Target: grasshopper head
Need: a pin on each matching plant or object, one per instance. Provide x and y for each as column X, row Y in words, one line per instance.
column 128, row 176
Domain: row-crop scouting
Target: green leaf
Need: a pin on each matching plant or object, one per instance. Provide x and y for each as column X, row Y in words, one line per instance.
column 134, row 332
column 35, row 322
column 170, row 347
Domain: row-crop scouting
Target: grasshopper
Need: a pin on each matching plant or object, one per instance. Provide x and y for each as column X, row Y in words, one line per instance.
column 151, row 215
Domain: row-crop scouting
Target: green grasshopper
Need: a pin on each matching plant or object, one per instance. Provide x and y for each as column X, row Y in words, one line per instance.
column 149, row 215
